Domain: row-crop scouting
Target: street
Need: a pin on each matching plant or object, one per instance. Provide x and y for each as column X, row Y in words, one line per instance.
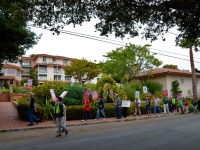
column 162, row 133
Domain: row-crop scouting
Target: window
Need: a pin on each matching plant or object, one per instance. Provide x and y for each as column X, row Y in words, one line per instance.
column 25, row 62
column 57, row 68
column 11, row 71
column 43, row 68
column 44, row 59
column 42, row 77
column 65, row 62
column 57, row 77
column 11, row 81
column 18, row 73
column 182, row 81
column 67, row 78
column 26, row 70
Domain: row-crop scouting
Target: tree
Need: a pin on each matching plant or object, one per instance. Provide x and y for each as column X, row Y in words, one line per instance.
column 130, row 60
column 189, row 43
column 121, row 17
column 196, row 70
column 171, row 66
column 33, row 76
column 82, row 70
column 15, row 37
column 175, row 88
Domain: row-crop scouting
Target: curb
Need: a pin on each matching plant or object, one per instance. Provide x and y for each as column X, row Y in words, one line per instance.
column 87, row 123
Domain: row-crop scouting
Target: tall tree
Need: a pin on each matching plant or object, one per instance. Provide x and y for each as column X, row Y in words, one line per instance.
column 189, row 43
column 171, row 66
column 130, row 60
column 121, row 17
column 82, row 70
column 15, row 36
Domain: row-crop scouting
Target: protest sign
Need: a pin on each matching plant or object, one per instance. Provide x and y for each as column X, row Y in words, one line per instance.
column 126, row 103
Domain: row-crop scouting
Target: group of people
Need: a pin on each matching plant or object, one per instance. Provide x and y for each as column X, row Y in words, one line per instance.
column 169, row 105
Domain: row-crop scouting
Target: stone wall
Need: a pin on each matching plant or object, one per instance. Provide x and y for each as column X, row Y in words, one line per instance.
column 4, row 97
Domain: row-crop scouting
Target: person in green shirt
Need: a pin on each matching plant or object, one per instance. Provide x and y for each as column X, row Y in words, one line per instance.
column 180, row 105
column 173, row 104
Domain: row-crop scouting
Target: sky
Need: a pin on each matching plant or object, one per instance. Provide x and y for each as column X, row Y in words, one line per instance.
column 93, row 50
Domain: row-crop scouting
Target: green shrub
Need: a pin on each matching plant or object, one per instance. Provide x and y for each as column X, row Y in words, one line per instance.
column 23, row 109
column 5, row 91
column 15, row 88
column 6, row 85
column 42, row 92
column 21, row 91
column 74, row 96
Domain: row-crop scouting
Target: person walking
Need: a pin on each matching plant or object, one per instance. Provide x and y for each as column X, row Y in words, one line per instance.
column 59, row 113
column 165, row 105
column 199, row 104
column 180, row 106
column 173, row 104
column 186, row 103
column 124, row 108
column 32, row 108
column 100, row 108
column 117, row 103
column 137, row 106
column 170, row 105
column 157, row 105
column 86, row 109
column 148, row 105
column 195, row 107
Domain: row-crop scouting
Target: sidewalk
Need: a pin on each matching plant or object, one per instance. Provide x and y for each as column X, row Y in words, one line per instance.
column 10, row 121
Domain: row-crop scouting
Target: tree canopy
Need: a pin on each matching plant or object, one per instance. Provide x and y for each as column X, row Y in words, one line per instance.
column 82, row 70
column 170, row 66
column 119, row 17
column 130, row 61
column 15, row 37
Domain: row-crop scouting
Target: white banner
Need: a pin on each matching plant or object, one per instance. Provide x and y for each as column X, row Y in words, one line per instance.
column 126, row 103
column 145, row 89
column 137, row 94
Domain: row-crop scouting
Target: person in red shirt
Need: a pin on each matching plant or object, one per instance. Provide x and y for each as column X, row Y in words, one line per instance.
column 186, row 103
column 86, row 103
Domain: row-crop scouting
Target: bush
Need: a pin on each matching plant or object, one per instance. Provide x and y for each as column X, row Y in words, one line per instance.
column 23, row 109
column 15, row 88
column 42, row 92
column 74, row 96
column 6, row 85
column 21, row 91
column 5, row 91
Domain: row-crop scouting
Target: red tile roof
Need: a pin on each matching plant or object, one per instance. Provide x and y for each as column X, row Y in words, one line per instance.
column 167, row 71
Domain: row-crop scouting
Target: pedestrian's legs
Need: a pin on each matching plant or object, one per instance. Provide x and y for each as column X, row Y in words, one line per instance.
column 164, row 106
column 30, row 116
column 35, row 118
column 125, row 111
column 62, row 124
column 88, row 115
column 158, row 109
column 135, row 111
column 58, row 122
column 167, row 107
column 118, row 112
column 103, row 113
column 98, row 113
column 186, row 109
column 139, row 110
column 181, row 109
column 84, row 115
column 154, row 110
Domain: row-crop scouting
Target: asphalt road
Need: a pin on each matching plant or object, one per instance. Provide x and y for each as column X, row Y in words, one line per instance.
column 176, row 132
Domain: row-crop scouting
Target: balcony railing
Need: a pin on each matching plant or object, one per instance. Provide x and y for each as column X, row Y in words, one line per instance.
column 57, row 72
column 42, row 71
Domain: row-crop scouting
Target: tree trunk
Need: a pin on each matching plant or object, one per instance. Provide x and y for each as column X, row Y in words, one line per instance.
column 194, row 81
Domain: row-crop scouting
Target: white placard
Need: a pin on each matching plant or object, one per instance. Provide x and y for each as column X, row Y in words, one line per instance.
column 137, row 94
column 63, row 94
column 126, row 103
column 53, row 96
column 145, row 89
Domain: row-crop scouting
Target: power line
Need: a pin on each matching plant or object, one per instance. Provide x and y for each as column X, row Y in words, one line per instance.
column 102, row 40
